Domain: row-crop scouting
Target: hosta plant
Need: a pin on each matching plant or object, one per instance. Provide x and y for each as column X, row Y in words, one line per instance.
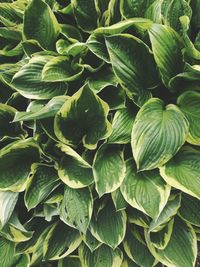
column 99, row 133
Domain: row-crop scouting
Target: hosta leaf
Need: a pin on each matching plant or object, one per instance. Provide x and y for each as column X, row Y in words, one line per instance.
column 127, row 262
column 28, row 80
column 138, row 217
column 189, row 103
column 168, row 212
column 127, row 54
column 166, row 47
column 161, row 238
column 182, row 171
column 158, row 133
column 60, row 241
column 76, row 208
column 47, row 111
column 88, row 111
column 136, row 249
column 15, row 231
column 103, row 78
column 73, row 170
column 181, row 250
column 175, row 10
column 8, row 201
column 8, row 129
column 122, row 125
column 44, row 179
column 82, row 12
column 73, row 261
column 91, row 242
column 45, row 28
column 102, row 257
column 11, row 13
column 145, row 191
column 110, row 226
column 118, row 200
column 190, row 209
column 133, row 8
column 7, row 253
column 14, row 170
column 108, row 168
column 61, row 69
column 137, row 23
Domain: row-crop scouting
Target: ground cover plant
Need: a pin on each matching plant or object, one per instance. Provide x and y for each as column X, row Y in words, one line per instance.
column 99, row 133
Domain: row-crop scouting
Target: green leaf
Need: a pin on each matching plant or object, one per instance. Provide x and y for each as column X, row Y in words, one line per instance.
column 145, row 191
column 47, row 111
column 183, row 171
column 28, row 80
column 15, row 231
column 107, row 158
column 76, row 208
column 128, row 262
column 138, row 217
column 175, row 10
column 73, row 261
column 190, row 209
column 189, row 103
column 45, row 28
column 91, row 242
column 61, row 69
column 8, row 201
column 136, row 249
column 102, row 257
column 181, row 250
column 86, row 14
column 158, row 133
column 110, row 226
column 60, row 241
column 166, row 46
column 118, row 200
column 127, row 54
column 7, row 253
column 14, row 170
column 9, row 129
column 73, row 170
column 88, row 111
column 133, row 8
column 122, row 125
column 168, row 212
column 43, row 181
column 136, row 23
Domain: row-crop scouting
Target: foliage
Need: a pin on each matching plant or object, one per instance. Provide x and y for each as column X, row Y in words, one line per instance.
column 100, row 133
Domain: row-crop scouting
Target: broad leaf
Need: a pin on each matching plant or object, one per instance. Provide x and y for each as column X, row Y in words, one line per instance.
column 181, row 250
column 158, row 133
column 183, row 171
column 86, row 14
column 73, row 170
column 91, row 242
column 127, row 54
column 45, row 28
column 43, row 181
column 189, row 103
column 47, row 111
column 61, row 69
column 60, row 241
column 8, row 201
column 108, row 168
column 122, row 125
column 88, row 111
column 102, row 257
column 73, row 261
column 28, row 81
column 109, row 227
column 145, row 191
column 166, row 47
column 14, row 170
column 76, row 208
column 136, row 249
